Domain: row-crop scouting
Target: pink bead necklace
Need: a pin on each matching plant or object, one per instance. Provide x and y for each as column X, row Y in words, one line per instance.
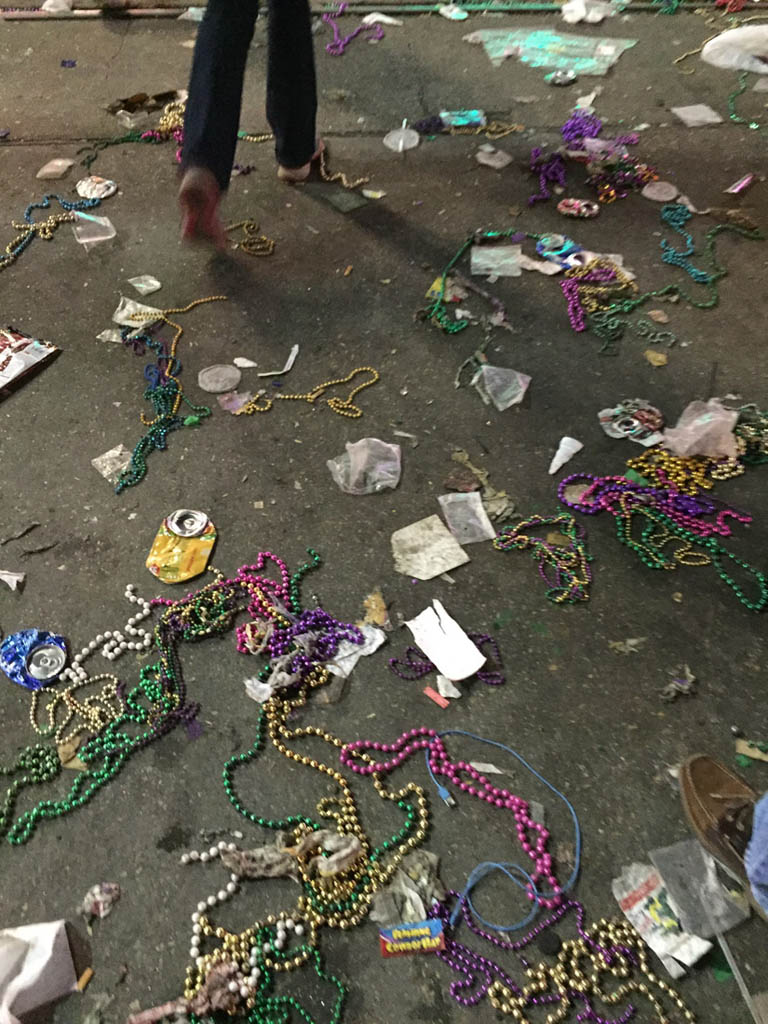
column 532, row 835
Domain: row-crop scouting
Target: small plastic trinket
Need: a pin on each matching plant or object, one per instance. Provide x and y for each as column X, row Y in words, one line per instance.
column 182, row 546
column 578, row 208
column 557, row 248
column 741, row 185
column 561, row 77
column 33, row 658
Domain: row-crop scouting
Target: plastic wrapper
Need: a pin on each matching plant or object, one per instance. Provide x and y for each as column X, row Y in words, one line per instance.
column 55, row 168
column 705, row 428
column 467, row 519
column 20, row 357
column 499, row 260
column 739, row 49
column 90, row 230
column 697, row 115
column 644, row 901
column 113, row 464
column 500, row 385
column 145, row 284
column 543, row 48
column 36, row 969
column 367, row 467
column 699, row 900
column 426, row 549
column 445, row 643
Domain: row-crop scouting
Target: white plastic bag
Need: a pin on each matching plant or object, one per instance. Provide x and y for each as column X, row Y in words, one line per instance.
column 500, row 385
column 367, row 467
column 466, row 518
column 704, row 428
column 740, row 49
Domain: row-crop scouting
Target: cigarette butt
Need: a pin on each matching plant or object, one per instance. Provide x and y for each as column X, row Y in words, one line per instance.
column 84, row 979
column 435, row 696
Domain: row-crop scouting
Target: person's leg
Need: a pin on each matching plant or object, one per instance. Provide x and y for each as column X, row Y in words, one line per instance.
column 291, row 88
column 213, row 112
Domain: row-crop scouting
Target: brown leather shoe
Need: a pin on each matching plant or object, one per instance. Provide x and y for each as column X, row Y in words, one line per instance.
column 719, row 806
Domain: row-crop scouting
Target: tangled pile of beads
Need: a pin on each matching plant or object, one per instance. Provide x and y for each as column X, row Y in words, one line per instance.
column 564, row 568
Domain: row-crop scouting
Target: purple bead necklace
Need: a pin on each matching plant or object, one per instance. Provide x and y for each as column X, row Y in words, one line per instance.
column 414, row 664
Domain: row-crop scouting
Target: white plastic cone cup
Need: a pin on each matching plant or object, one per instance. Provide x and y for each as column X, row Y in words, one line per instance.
column 565, row 451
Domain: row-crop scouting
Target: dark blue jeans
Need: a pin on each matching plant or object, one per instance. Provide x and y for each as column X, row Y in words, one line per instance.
column 216, row 86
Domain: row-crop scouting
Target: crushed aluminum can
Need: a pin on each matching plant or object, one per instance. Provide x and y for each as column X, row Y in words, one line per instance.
column 94, row 187
column 578, row 208
column 562, row 76
column 182, row 546
column 633, row 418
column 33, row 658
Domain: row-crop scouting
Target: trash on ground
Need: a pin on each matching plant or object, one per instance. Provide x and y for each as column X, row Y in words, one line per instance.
column 113, row 464
column 401, row 139
column 498, row 260
column 376, row 611
column 192, row 14
column 658, row 316
column 752, row 749
column 582, row 208
column 36, row 969
column 453, row 12
column 128, row 308
column 288, row 364
column 465, row 119
column 12, row 579
column 219, row 378
column 656, row 358
column 683, row 684
column 739, row 49
column 546, row 267
column 271, row 860
column 697, row 115
column 68, row 756
column 90, row 230
column 99, row 901
column 497, row 504
column 445, row 643
column 233, row 401
column 426, row 549
column 55, row 168
column 660, row 191
column 489, row 156
column 244, row 363
column 110, row 334
column 349, row 653
column 377, row 18
column 704, row 428
column 741, row 184
column 57, row 6
column 182, row 546
column 633, row 418
column 500, row 385
column 415, row 886
column 373, row 193
column 567, row 448
column 644, row 900
column 149, row 104
column 367, row 467
column 436, row 698
column 542, row 48
column 696, row 895
column 563, row 76
column 145, row 284
column 406, row 939
column 94, row 187
column 590, row 11
column 486, row 768
column 21, row 357
column 629, row 646
column 446, row 688
column 466, row 518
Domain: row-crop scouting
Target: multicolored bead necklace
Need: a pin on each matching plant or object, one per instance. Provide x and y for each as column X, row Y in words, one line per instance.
column 414, row 664
column 30, row 229
column 564, row 568
column 164, row 390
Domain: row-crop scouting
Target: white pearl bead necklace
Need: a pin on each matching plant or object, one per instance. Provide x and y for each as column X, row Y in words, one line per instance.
column 114, row 643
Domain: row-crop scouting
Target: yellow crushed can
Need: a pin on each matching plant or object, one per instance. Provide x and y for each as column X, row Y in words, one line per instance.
column 182, row 546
